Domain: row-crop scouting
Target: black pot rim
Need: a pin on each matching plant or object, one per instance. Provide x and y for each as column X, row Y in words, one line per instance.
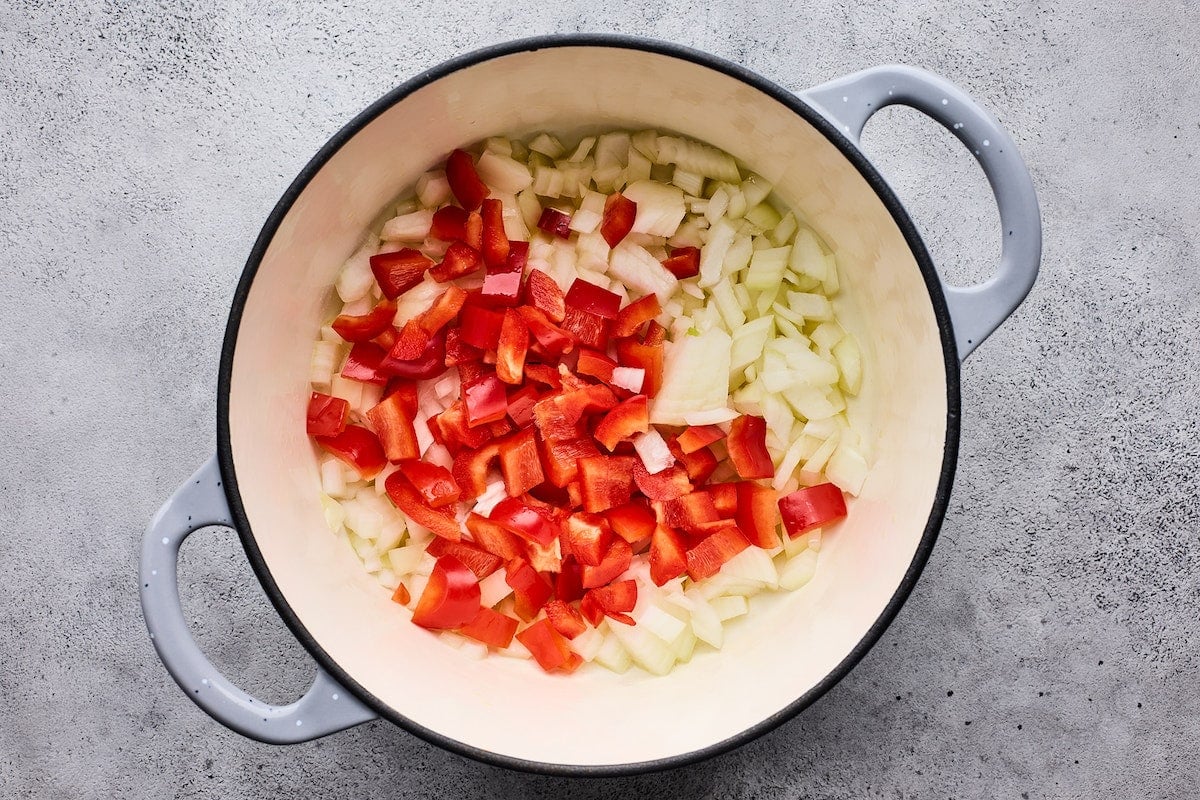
column 873, row 178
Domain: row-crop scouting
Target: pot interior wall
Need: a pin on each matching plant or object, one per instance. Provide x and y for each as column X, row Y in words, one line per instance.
column 789, row 642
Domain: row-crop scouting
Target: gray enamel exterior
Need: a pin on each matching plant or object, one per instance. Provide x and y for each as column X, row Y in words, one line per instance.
column 976, row 311
column 324, row 709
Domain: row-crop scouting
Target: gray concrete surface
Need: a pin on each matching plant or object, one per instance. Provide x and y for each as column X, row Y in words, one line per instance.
column 1049, row 651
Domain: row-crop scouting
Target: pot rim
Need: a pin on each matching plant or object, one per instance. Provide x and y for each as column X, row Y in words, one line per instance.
column 848, row 149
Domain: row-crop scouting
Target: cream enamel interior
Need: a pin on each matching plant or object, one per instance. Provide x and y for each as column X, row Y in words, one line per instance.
column 789, row 642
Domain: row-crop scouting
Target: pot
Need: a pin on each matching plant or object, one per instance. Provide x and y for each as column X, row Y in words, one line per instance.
column 913, row 328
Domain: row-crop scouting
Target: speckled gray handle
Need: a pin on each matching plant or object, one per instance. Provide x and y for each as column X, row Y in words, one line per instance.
column 325, row 708
column 976, row 311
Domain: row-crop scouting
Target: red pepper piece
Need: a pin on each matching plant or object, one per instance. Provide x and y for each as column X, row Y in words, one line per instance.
column 756, row 514
column 395, row 429
column 435, row 483
column 747, row 443
column 668, row 556
column 617, row 222
column 590, row 330
column 326, row 415
column 555, row 222
column 502, row 285
column 512, row 348
column 464, row 181
column 401, row 595
column 588, row 536
column 520, row 405
column 706, row 559
column 551, row 339
column 474, row 232
column 478, row 560
column 367, row 326
column 400, row 271
column 495, row 241
column 459, row 259
column 543, row 374
column 689, row 511
column 565, row 619
column 458, row 351
column 472, row 371
column 699, row 464
column 684, row 262
column 519, row 463
column 616, row 598
column 656, row 334
column 633, row 522
column 438, row 520
column 408, row 394
column 549, row 648
column 724, row 497
column 410, row 344
column 449, row 223
column 631, row 318
column 490, row 536
column 470, row 469
column 429, row 364
column 595, row 364
column 696, row 437
column 387, row 339
column 616, row 560
column 453, row 430
column 629, row 418
column 587, row 399
column 451, row 597
column 568, row 583
column 543, row 293
column 357, row 447
column 531, row 590
column 589, row 297
column 480, row 327
column 444, row 309
column 607, row 481
column 811, row 507
column 486, row 400
column 362, row 364
column 490, row 627
column 631, row 353
column 560, row 457
column 527, row 521
column 672, row 482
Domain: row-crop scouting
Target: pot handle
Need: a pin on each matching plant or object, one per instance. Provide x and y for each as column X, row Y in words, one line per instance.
column 978, row 310
column 325, row 708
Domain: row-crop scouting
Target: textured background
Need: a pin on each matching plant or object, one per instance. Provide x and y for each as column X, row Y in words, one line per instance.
column 1048, row 651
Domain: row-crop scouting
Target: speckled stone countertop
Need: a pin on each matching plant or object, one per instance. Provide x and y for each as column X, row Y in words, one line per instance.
column 1049, row 650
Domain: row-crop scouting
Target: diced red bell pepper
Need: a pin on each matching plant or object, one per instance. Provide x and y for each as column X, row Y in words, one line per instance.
column 628, row 418
column 542, row 292
column 633, row 522
column 551, row 339
column 689, row 511
column 656, row 334
column 668, row 555
column 668, row 484
column 470, row 469
column 588, row 536
column 473, row 370
column 631, row 318
column 607, row 481
column 480, row 327
column 408, row 394
column 811, row 507
column 589, row 297
column 429, row 364
column 478, row 560
column 595, row 364
column 501, row 427
column 410, row 344
column 696, row 437
column 699, row 464
column 747, row 443
column 531, row 590
column 632, row 353
column 706, row 558
column 367, row 326
column 512, row 348
column 440, row 521
column 617, row 222
column 616, row 560
column 546, row 560
column 459, row 259
column 549, row 648
column 444, row 309
column 757, row 514
column 520, row 405
column 591, row 610
column 357, row 447
column 435, row 483
column 568, row 583
column 613, row 600
column 387, row 339
column 588, row 398
column 454, row 431
column 400, row 271
column 560, row 457
column 473, row 232
column 464, row 181
column 490, row 627
column 527, row 521
column 495, row 241
column 574, row 494
column 486, row 400
column 492, row 537
column 362, row 364
column 519, row 462
column 401, row 595
column 566, row 619
column 590, row 330
column 555, row 222
column 326, row 415
column 395, row 429
column 684, row 262
column 451, row 597
column 544, row 374
column 724, row 497
column 458, row 351
column 449, row 223
column 553, row 419
column 502, row 285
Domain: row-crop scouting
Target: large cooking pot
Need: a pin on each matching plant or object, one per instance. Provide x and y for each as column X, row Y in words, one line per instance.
column 914, row 330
